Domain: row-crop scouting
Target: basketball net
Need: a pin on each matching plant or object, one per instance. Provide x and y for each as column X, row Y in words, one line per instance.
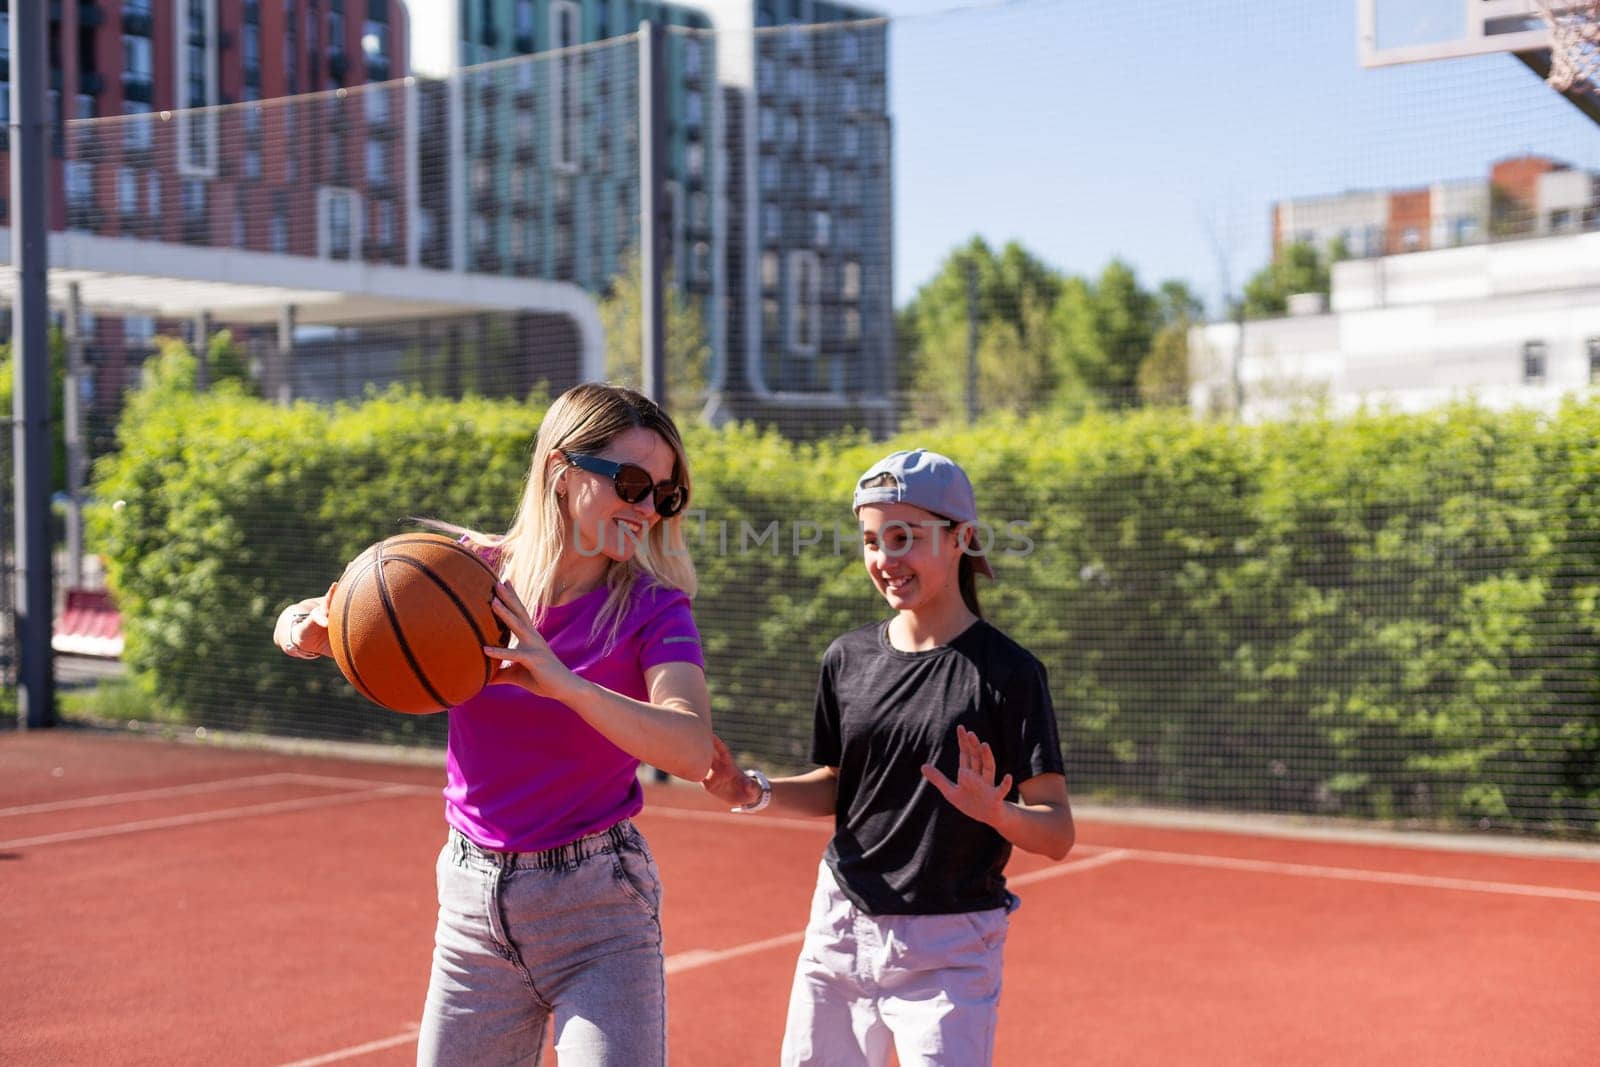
column 1574, row 44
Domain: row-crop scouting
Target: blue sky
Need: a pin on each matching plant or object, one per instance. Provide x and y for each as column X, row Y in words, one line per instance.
column 1161, row 131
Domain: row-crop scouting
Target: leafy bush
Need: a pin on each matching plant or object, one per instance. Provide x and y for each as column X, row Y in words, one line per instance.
column 1387, row 615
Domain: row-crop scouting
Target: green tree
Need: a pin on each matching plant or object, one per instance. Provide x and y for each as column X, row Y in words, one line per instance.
column 1295, row 268
column 1017, row 371
column 688, row 354
column 58, row 378
column 1163, row 376
column 1105, row 330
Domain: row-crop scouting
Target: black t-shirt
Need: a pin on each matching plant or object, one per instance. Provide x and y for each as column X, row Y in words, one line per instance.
column 899, row 847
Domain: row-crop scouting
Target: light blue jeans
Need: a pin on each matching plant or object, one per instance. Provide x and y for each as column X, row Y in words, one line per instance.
column 572, row 934
column 925, row 986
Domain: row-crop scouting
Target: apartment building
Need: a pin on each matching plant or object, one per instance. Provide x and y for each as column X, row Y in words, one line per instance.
column 1525, row 196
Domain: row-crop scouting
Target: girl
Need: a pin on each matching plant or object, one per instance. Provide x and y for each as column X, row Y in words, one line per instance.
column 914, row 718
column 549, row 900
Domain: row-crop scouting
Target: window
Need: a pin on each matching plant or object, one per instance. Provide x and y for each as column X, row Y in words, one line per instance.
column 850, row 280
column 791, row 130
column 821, row 228
column 700, row 262
column 152, row 194
column 127, row 191
column 278, row 232
column 524, row 23
column 238, row 228
column 565, row 81
column 850, row 141
column 339, row 223
column 383, row 222
column 375, row 104
column 769, row 124
column 5, row 35
column 1560, row 220
column 80, row 182
column 769, row 318
column 849, row 95
column 335, row 33
column 693, row 111
column 699, row 211
column 375, row 42
column 194, row 196
column 1410, row 239
column 771, row 222
column 136, row 66
column 820, row 183
column 1463, row 230
column 1533, row 363
column 694, row 157
column 692, row 58
column 769, row 270
column 1594, row 360
column 252, row 163
column 377, row 161
column 802, row 309
column 138, row 132
column 849, row 48
column 851, row 320
column 769, row 173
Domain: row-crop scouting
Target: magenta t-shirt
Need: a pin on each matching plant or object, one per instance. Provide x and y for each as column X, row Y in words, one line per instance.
column 525, row 772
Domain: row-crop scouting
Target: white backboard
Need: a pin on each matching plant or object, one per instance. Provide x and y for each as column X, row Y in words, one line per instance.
column 1421, row 31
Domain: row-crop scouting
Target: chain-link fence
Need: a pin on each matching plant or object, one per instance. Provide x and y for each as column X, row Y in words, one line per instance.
column 1272, row 372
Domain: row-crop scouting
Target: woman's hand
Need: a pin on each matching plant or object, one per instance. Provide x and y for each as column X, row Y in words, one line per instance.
column 526, row 659
column 974, row 793
column 726, row 781
column 302, row 629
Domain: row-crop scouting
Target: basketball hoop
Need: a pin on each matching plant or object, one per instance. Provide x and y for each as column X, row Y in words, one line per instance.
column 1574, row 44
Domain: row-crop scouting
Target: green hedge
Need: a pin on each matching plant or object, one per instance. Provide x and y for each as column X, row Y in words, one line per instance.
column 1389, row 616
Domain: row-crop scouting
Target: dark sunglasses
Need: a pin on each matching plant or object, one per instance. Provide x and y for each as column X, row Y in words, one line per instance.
column 633, row 483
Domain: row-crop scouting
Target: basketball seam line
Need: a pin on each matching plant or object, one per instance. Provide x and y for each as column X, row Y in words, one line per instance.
column 344, row 635
column 444, row 587
column 400, row 636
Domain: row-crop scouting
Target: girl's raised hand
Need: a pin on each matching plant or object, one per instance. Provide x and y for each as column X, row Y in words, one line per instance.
column 974, row 793
column 726, row 781
column 526, row 659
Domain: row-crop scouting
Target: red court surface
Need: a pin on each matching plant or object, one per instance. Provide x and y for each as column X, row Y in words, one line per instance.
column 186, row 904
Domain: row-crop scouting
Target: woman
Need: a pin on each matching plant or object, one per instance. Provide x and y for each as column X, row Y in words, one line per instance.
column 549, row 899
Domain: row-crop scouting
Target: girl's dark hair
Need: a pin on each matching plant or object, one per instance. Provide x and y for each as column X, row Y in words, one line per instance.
column 967, row 579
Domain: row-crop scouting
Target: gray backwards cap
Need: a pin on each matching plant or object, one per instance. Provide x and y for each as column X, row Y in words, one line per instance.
column 924, row 480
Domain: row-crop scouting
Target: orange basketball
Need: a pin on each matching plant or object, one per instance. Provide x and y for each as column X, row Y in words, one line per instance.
column 408, row 622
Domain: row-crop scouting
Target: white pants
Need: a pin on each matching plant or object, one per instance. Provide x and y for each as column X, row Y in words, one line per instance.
column 926, row 985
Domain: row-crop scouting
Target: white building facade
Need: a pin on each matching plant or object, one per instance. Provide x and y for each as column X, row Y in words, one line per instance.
column 1510, row 324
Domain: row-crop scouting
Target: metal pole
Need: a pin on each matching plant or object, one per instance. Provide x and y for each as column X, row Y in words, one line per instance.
column 652, row 183
column 283, row 378
column 31, row 338
column 202, row 351
column 972, row 338
column 72, row 419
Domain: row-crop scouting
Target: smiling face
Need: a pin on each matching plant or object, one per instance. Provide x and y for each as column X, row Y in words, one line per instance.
column 602, row 522
column 912, row 556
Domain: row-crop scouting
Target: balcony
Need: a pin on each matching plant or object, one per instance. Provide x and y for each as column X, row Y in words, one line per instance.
column 523, row 43
column 137, row 23
column 338, row 64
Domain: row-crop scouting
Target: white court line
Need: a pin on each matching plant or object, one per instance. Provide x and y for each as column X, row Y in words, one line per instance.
column 1357, row 874
column 1099, row 859
column 199, row 817
column 358, row 1050
column 695, row 958
column 398, row 788
column 221, row 784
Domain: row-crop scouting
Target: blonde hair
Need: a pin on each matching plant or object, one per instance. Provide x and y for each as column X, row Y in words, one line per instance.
column 585, row 419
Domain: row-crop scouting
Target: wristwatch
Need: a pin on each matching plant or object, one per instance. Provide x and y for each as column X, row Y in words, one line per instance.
column 766, row 793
